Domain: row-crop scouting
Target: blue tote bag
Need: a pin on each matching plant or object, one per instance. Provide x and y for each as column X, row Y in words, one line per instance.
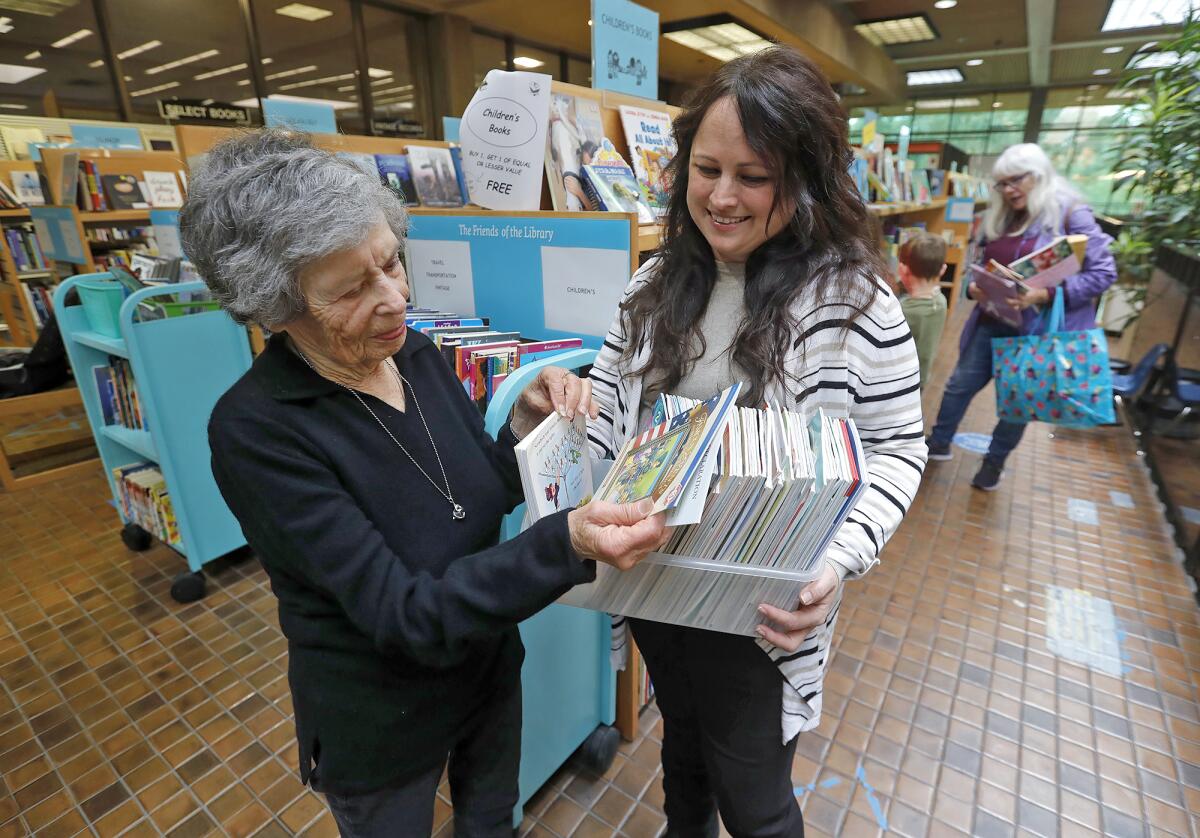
column 1058, row 377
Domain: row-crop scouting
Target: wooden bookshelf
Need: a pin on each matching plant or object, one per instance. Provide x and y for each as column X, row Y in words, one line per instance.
column 15, row 309
column 114, row 216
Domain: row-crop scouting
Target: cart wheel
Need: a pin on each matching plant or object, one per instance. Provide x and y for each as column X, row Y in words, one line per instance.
column 188, row 587
column 136, row 538
column 600, row 748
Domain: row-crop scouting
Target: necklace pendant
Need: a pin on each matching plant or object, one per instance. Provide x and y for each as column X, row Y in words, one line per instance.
column 459, row 513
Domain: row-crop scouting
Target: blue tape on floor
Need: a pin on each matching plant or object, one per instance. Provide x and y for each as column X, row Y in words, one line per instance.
column 1083, row 628
column 1082, row 512
column 827, row 783
column 1121, row 500
column 880, row 818
column 978, row 443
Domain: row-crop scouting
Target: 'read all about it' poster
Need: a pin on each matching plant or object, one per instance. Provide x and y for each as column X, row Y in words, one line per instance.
column 503, row 139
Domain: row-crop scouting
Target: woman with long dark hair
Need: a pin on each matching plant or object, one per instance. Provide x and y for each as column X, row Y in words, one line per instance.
column 767, row 274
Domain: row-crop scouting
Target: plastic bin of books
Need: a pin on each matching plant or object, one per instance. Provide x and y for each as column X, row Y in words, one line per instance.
column 148, row 394
column 568, row 681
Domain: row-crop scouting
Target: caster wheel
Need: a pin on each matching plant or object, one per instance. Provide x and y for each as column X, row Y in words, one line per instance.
column 188, row 587
column 600, row 748
column 136, row 538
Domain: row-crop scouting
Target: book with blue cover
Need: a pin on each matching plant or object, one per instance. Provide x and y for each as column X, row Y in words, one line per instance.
column 396, row 174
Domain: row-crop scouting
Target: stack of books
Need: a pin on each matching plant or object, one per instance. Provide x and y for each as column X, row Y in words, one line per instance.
column 120, row 403
column 145, row 501
column 756, row 497
column 25, row 248
column 481, row 356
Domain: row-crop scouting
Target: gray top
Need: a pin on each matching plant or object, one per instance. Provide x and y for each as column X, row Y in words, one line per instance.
column 715, row 370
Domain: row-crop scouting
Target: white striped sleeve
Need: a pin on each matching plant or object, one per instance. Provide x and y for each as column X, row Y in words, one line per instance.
column 883, row 382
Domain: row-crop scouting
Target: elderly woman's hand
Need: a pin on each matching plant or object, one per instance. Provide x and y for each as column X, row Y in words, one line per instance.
column 816, row 600
column 617, row 534
column 554, row 390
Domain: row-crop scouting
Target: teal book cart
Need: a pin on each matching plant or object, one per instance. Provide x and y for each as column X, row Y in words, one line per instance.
column 182, row 365
column 567, row 682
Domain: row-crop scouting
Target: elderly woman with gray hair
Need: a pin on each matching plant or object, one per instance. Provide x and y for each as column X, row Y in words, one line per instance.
column 363, row 479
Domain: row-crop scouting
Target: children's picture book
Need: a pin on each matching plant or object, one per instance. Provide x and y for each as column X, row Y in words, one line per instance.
column 999, row 293
column 612, row 187
column 28, row 189
column 434, row 176
column 123, row 192
column 651, row 149
column 1049, row 265
column 397, row 176
column 553, row 461
column 573, row 137
column 661, row 462
column 163, row 188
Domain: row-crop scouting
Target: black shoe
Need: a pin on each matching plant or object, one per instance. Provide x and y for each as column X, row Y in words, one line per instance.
column 988, row 476
column 938, row 452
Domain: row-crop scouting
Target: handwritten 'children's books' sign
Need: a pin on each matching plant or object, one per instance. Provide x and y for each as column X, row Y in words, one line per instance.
column 503, row 139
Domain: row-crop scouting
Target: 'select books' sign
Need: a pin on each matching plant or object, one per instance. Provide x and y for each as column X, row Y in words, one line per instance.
column 625, row 48
column 203, row 111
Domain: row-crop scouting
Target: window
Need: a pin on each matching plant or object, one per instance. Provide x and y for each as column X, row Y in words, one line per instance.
column 536, row 60
column 580, row 72
column 489, row 54
column 163, row 61
column 73, row 72
column 311, row 59
column 394, row 47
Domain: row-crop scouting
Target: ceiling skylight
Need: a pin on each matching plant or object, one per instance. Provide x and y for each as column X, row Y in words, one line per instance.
column 942, row 104
column 1152, row 60
column 949, row 75
column 1140, row 14
column 722, row 41
column 913, row 29
column 302, row 11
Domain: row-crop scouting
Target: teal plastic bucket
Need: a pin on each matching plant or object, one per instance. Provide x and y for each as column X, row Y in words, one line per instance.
column 101, row 300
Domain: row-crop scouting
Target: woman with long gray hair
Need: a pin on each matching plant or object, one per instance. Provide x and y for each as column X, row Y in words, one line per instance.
column 363, row 479
column 1032, row 205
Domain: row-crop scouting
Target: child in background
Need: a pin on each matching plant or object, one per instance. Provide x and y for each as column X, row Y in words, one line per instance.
column 922, row 261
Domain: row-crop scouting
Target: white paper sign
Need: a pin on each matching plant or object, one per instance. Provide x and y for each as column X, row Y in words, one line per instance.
column 439, row 273
column 581, row 287
column 503, row 138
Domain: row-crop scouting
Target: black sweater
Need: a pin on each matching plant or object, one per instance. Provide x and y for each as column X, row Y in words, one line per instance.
column 400, row 621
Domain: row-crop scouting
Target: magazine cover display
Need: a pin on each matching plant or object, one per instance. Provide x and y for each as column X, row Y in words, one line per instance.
column 612, row 186
column 434, row 177
column 573, row 137
column 651, row 149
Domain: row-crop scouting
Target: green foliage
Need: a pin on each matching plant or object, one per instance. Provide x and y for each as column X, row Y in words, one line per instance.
column 1134, row 255
column 1161, row 157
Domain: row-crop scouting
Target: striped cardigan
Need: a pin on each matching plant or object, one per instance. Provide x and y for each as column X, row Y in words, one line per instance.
column 868, row 373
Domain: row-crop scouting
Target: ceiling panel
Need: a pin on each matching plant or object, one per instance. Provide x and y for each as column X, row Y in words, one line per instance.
column 971, row 25
column 1080, row 20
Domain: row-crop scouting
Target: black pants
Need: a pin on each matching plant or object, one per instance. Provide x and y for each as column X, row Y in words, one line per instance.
column 483, row 769
column 721, row 700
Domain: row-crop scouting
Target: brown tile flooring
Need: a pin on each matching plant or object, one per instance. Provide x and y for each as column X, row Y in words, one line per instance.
column 122, row 712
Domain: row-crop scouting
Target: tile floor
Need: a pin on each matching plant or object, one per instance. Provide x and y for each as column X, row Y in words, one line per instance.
column 948, row 711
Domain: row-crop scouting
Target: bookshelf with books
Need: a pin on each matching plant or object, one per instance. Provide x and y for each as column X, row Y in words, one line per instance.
column 26, row 275
column 147, row 395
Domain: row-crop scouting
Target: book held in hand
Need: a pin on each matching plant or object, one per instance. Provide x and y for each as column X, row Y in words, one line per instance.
column 553, row 461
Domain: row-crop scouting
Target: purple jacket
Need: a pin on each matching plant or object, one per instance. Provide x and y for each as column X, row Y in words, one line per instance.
column 1082, row 290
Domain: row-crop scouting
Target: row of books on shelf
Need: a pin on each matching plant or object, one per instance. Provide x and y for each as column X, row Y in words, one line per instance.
column 106, row 235
column 25, row 248
column 142, row 492
column 117, row 390
column 40, row 300
column 586, row 172
column 894, row 236
column 429, row 176
column 755, row 497
column 481, row 356
column 96, row 192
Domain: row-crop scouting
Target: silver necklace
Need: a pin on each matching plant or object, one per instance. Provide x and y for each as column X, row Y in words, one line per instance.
column 456, row 512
